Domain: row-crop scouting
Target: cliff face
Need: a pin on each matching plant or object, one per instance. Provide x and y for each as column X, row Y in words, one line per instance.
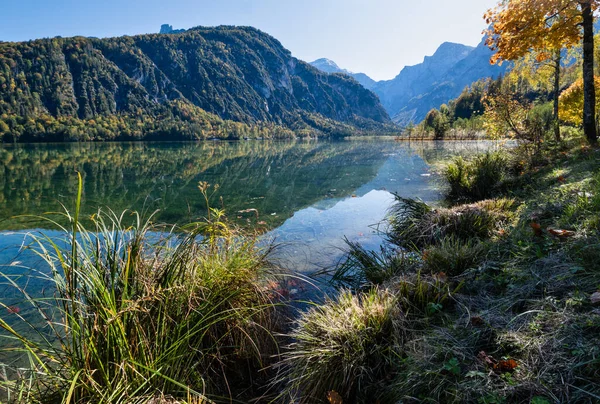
column 414, row 81
column 447, row 86
column 234, row 73
column 419, row 88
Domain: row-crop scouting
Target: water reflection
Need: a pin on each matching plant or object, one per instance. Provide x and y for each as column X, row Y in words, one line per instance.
column 311, row 193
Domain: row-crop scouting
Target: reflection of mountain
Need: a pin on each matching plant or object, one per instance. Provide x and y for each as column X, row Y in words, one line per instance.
column 275, row 178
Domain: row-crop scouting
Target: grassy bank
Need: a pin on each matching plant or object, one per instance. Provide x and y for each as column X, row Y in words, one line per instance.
column 488, row 299
column 138, row 313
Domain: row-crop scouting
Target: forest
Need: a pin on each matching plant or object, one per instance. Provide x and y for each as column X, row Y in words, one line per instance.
column 223, row 82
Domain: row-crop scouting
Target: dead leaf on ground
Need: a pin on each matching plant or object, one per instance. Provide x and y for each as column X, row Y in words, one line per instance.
column 334, row 398
column 537, row 229
column 505, row 366
column 488, row 360
column 561, row 233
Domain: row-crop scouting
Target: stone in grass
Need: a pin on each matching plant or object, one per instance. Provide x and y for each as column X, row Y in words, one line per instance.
column 595, row 298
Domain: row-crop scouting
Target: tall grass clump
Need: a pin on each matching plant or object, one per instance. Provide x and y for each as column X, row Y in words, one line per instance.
column 362, row 268
column 478, row 179
column 415, row 225
column 350, row 346
column 453, row 256
column 138, row 314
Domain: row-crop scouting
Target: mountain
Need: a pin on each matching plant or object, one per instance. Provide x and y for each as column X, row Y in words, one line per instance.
column 329, row 66
column 419, row 88
column 415, row 81
column 168, row 29
column 221, row 81
column 461, row 68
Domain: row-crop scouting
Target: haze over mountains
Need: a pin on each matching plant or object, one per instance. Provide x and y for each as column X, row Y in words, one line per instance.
column 419, row 88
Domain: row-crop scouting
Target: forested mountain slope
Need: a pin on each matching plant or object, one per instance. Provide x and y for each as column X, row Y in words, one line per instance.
column 224, row 81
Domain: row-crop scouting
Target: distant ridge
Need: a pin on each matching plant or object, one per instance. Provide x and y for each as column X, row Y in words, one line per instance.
column 417, row 89
column 439, row 79
column 329, row 66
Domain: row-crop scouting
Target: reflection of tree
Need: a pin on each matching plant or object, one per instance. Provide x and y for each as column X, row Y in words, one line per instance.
column 435, row 152
column 271, row 177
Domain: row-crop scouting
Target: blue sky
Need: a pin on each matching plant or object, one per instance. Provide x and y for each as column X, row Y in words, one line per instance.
column 377, row 37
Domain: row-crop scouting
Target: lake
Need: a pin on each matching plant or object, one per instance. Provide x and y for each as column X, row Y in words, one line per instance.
column 309, row 194
column 306, row 195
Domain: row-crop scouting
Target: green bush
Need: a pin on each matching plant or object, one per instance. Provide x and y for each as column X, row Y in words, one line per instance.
column 478, row 179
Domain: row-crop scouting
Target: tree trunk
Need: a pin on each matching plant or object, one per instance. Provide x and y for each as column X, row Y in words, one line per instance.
column 589, row 91
column 557, row 59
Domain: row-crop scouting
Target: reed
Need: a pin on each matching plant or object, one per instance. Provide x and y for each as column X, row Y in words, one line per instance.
column 139, row 314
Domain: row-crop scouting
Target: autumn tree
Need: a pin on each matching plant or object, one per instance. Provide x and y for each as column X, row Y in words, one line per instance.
column 571, row 102
column 519, row 27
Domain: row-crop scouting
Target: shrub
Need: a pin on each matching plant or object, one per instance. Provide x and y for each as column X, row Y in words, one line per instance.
column 414, row 224
column 349, row 345
column 453, row 256
column 134, row 317
column 478, row 179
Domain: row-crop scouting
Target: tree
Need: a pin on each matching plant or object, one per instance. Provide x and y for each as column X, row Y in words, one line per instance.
column 571, row 102
column 438, row 121
column 519, row 27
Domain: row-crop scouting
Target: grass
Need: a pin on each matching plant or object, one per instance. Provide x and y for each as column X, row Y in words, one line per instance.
column 481, row 302
column 348, row 345
column 497, row 309
column 414, row 224
column 363, row 268
column 138, row 316
column 478, row 179
column 453, row 256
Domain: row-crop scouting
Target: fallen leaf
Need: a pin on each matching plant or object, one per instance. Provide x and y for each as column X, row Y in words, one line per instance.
column 334, row 398
column 477, row 321
column 561, row 233
column 537, row 229
column 595, row 298
column 505, row 366
column 561, row 179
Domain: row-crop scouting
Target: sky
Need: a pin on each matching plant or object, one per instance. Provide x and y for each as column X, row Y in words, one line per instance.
column 376, row 37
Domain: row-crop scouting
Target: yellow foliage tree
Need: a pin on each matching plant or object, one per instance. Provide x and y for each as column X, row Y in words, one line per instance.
column 519, row 27
column 504, row 116
column 571, row 102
